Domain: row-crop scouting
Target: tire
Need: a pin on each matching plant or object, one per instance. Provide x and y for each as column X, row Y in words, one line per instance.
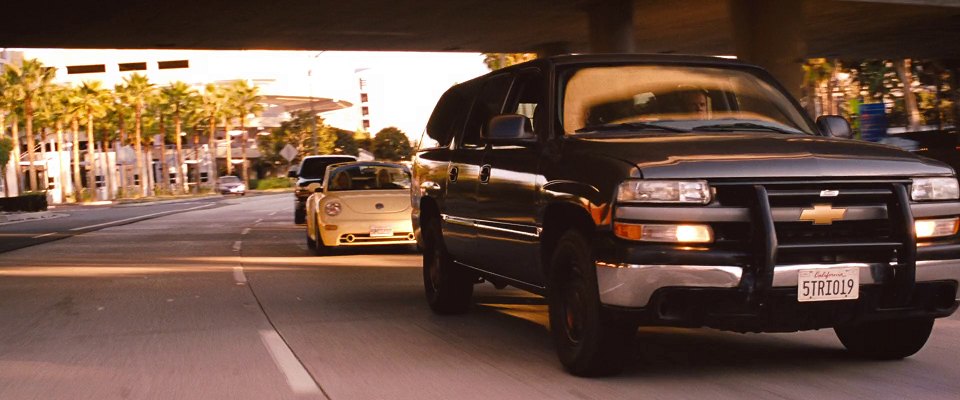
column 588, row 342
column 311, row 243
column 319, row 248
column 448, row 286
column 886, row 340
column 299, row 216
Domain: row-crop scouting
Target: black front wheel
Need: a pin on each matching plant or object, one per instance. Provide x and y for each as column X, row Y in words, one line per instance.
column 588, row 342
column 886, row 340
column 448, row 286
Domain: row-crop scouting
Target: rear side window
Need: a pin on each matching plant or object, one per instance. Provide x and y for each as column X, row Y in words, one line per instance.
column 442, row 126
column 314, row 168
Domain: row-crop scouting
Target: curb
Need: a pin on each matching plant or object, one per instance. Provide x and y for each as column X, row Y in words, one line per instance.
column 24, row 216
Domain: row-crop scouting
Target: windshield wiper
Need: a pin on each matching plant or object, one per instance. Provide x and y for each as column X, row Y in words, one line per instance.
column 627, row 126
column 744, row 125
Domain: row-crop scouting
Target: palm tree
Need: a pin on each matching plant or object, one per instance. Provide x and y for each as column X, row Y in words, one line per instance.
column 181, row 97
column 30, row 80
column 94, row 100
column 6, row 106
column 59, row 107
column 212, row 104
column 246, row 100
column 138, row 89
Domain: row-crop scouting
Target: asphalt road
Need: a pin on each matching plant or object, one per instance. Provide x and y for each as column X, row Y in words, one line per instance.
column 225, row 302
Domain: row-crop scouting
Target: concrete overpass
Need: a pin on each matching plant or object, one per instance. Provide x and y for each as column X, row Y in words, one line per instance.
column 775, row 34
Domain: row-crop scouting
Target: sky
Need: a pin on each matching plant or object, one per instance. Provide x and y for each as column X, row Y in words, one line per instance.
column 402, row 87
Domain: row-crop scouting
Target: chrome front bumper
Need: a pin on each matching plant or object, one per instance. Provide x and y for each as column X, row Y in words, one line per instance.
column 632, row 285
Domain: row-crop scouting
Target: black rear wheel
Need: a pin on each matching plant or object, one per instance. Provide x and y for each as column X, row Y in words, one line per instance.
column 448, row 286
column 588, row 342
column 886, row 340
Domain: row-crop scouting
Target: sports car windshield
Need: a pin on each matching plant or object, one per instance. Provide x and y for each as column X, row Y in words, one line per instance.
column 675, row 99
column 376, row 176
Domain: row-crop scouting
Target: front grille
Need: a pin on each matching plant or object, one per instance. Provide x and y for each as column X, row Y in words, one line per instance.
column 799, row 241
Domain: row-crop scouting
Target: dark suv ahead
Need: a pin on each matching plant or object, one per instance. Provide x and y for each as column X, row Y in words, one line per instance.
column 310, row 173
column 679, row 191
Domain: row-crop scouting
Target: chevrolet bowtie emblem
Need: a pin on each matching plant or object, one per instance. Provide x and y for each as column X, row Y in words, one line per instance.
column 822, row 214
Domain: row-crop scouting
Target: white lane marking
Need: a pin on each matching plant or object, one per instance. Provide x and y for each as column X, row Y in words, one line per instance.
column 236, row 246
column 297, row 376
column 44, row 235
column 245, row 231
column 259, row 220
column 139, row 217
column 239, row 276
column 274, row 213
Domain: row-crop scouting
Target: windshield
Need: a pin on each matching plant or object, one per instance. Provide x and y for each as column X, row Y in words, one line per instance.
column 229, row 179
column 369, row 177
column 313, row 168
column 675, row 99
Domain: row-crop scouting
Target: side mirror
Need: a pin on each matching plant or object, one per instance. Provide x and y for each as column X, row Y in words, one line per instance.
column 509, row 129
column 834, row 126
column 292, row 172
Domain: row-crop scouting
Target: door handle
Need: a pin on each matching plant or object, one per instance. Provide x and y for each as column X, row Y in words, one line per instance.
column 454, row 173
column 485, row 173
column 429, row 185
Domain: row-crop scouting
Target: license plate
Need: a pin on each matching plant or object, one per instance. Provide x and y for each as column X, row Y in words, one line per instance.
column 828, row 284
column 380, row 231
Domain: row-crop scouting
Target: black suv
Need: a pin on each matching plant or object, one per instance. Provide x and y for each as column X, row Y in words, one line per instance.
column 310, row 173
column 681, row 191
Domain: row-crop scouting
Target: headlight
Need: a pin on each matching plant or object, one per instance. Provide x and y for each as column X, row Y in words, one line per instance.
column 934, row 189
column 332, row 208
column 692, row 192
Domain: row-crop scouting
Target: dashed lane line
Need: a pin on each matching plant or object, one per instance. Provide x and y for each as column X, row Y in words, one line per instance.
column 44, row 235
column 239, row 276
column 236, row 246
column 245, row 231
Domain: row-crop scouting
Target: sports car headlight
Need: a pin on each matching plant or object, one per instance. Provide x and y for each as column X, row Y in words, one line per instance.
column 934, row 189
column 332, row 208
column 641, row 191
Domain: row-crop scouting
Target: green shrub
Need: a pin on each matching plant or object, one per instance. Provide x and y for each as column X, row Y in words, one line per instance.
column 271, row 183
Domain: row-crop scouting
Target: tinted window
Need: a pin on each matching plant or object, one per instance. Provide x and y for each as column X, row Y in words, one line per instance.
column 527, row 97
column 313, row 168
column 442, row 126
column 229, row 179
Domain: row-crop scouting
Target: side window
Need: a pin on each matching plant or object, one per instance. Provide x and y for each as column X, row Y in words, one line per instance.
column 528, row 95
column 488, row 105
column 443, row 126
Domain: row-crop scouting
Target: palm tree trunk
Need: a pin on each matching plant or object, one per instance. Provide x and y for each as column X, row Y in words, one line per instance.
column 61, row 165
column 181, row 171
column 164, row 178
column 226, row 127
column 91, row 164
column 909, row 98
column 3, row 169
column 31, row 142
column 43, row 156
column 212, row 151
column 15, row 158
column 243, row 151
column 196, row 169
column 107, row 168
column 138, row 147
column 75, row 127
column 123, row 142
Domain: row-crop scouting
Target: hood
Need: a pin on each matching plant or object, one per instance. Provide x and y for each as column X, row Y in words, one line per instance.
column 762, row 155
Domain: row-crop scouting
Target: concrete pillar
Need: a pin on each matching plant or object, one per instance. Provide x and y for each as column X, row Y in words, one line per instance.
column 552, row 49
column 770, row 34
column 611, row 26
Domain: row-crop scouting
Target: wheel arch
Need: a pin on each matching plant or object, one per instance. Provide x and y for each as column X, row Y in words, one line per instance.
column 557, row 219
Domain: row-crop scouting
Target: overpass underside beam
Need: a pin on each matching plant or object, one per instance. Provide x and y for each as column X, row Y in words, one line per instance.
column 770, row 34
